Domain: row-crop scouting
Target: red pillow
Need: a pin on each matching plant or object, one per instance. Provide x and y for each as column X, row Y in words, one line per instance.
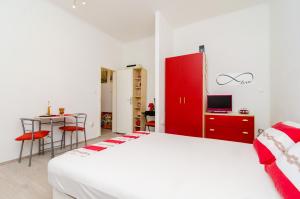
column 270, row 144
column 285, row 173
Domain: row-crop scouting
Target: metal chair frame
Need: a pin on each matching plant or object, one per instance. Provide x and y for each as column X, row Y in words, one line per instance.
column 148, row 113
column 31, row 122
column 80, row 118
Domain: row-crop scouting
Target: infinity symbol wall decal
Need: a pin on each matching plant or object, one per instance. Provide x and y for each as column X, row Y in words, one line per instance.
column 243, row 78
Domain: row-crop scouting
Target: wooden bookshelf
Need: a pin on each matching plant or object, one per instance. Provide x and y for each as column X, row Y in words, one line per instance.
column 139, row 97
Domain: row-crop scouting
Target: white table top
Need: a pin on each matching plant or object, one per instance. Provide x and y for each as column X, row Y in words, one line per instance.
column 44, row 117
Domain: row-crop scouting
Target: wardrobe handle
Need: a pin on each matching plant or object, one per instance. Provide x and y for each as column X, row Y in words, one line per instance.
column 212, row 130
column 179, row 100
column 245, row 120
column 212, row 118
column 184, row 100
column 245, row 133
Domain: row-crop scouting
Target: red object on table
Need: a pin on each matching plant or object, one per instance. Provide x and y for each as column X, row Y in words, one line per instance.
column 151, row 107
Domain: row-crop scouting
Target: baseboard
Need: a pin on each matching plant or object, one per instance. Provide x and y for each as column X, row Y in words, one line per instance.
column 48, row 151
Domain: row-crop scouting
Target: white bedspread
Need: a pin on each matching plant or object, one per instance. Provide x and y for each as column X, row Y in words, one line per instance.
column 162, row 166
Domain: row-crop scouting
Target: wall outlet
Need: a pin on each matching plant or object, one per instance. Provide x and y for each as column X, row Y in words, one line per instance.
column 202, row 49
column 92, row 124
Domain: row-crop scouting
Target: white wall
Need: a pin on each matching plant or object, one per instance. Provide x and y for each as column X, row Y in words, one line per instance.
column 236, row 42
column 48, row 54
column 285, row 62
column 142, row 52
column 163, row 49
column 106, row 97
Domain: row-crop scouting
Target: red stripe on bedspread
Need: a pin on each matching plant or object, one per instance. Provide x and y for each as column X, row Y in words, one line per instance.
column 130, row 136
column 284, row 186
column 265, row 156
column 95, row 148
column 114, row 141
column 141, row 132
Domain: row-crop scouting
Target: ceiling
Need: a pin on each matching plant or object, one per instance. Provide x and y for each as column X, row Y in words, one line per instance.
column 128, row 20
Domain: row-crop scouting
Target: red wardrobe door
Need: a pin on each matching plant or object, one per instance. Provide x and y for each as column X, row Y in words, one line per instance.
column 173, row 101
column 184, row 95
column 192, row 86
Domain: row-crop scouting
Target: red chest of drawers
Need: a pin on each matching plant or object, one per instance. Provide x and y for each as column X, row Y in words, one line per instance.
column 238, row 128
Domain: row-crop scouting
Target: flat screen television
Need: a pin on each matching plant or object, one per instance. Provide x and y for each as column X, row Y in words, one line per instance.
column 219, row 103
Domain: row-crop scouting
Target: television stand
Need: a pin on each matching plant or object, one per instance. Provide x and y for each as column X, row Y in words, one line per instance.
column 230, row 126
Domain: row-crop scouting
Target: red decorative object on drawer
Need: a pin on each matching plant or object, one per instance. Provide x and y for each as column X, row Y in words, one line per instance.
column 238, row 128
column 184, row 95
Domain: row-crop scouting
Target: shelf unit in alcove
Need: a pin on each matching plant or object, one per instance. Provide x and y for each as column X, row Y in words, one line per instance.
column 139, row 97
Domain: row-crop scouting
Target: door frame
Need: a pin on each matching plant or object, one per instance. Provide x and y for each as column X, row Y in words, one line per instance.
column 114, row 97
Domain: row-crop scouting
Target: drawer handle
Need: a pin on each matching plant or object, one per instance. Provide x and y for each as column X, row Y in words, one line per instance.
column 245, row 133
column 212, row 130
column 245, row 120
column 211, row 118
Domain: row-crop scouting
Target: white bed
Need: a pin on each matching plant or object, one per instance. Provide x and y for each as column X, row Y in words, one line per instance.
column 162, row 166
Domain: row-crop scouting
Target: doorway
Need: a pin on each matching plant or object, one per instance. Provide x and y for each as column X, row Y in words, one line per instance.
column 106, row 101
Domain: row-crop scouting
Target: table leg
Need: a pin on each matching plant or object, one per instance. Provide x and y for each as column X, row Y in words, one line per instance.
column 39, row 146
column 76, row 132
column 52, row 146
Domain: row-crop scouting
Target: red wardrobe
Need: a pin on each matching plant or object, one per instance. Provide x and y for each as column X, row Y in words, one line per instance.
column 184, row 95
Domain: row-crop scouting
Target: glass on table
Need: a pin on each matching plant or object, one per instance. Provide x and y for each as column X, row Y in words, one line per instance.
column 61, row 111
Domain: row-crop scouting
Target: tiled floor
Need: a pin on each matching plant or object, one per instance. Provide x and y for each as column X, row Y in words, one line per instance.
column 18, row 181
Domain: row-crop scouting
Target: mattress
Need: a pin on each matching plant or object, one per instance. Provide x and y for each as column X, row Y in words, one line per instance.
column 163, row 166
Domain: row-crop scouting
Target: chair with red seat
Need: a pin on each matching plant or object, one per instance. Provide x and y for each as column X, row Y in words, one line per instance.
column 80, row 120
column 150, row 123
column 30, row 134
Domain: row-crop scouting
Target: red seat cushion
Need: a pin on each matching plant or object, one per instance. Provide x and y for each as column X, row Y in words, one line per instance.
column 36, row 135
column 150, row 123
column 71, row 128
